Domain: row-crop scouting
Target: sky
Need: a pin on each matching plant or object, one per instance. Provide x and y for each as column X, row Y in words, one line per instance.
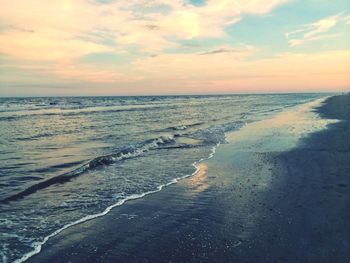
column 148, row 47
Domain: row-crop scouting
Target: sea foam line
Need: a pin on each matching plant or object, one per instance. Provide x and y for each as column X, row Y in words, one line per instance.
column 38, row 245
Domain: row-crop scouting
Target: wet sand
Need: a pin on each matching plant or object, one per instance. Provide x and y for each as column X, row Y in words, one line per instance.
column 272, row 194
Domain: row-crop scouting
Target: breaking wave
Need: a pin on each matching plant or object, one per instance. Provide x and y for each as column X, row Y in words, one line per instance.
column 126, row 153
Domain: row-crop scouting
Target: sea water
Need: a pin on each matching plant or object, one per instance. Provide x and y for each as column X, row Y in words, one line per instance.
column 69, row 159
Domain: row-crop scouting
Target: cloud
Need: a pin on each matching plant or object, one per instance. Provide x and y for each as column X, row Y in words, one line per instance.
column 128, row 22
column 347, row 20
column 61, row 32
column 15, row 28
column 218, row 51
column 229, row 50
column 313, row 31
column 152, row 27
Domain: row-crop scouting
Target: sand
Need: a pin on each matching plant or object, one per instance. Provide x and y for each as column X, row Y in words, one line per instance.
column 278, row 192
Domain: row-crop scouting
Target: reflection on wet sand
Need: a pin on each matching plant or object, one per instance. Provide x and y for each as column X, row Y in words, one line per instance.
column 197, row 182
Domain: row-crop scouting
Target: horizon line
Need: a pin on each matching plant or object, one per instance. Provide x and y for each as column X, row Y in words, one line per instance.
column 180, row 94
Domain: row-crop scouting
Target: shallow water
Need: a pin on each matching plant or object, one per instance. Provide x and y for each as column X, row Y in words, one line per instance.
column 63, row 159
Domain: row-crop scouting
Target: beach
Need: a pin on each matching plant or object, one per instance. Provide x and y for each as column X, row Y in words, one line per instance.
column 194, row 131
column 277, row 192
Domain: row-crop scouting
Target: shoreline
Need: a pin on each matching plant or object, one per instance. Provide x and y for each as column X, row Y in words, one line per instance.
column 38, row 247
column 192, row 190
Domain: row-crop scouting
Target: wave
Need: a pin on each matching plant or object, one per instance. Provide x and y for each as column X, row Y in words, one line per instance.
column 127, row 153
column 182, row 127
column 38, row 245
column 13, row 115
column 215, row 133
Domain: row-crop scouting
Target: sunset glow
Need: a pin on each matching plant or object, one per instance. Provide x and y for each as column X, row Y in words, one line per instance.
column 136, row 47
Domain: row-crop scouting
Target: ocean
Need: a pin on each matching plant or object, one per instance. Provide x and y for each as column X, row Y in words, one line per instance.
column 69, row 159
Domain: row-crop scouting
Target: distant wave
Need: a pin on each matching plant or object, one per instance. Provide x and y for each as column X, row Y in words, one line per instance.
column 12, row 115
column 127, row 153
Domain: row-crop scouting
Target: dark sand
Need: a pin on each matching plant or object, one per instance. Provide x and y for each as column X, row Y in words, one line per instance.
column 253, row 202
